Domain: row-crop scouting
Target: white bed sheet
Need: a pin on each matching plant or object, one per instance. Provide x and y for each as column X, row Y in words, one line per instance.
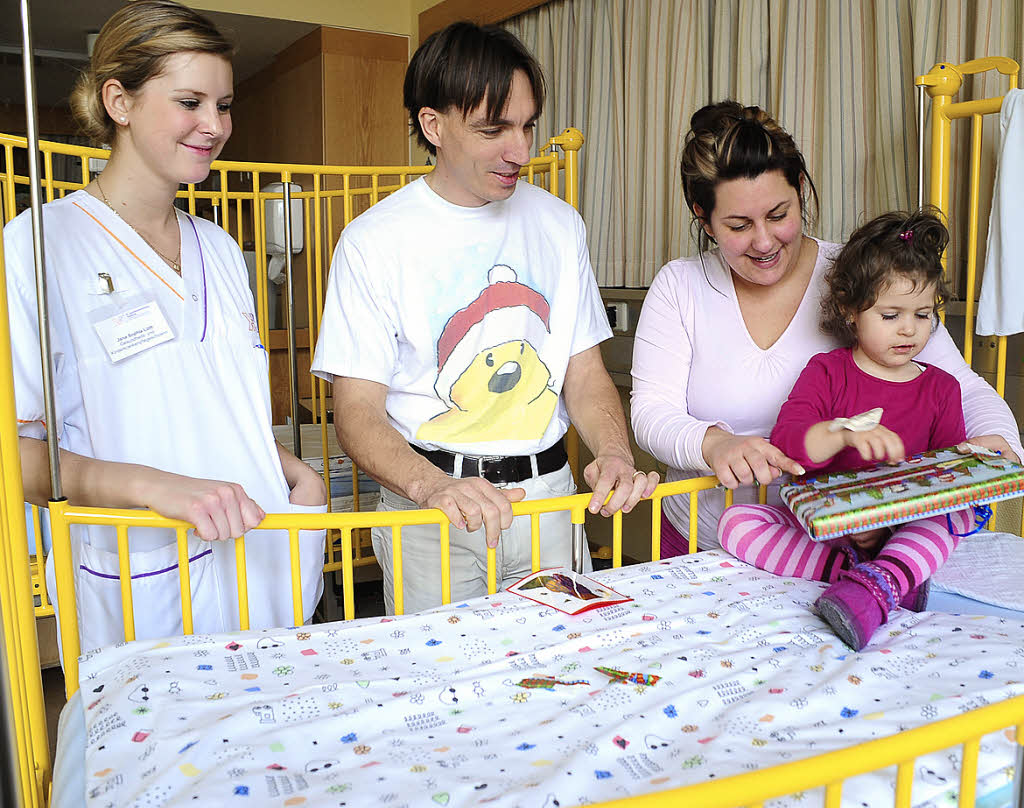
column 986, row 567
column 439, row 708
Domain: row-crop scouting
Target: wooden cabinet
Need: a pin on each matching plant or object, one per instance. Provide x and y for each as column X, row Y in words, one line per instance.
column 333, row 97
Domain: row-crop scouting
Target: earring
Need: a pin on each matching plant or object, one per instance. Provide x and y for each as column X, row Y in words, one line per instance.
column 124, row 119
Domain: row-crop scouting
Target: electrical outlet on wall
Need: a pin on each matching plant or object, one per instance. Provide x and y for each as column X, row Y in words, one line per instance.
column 618, row 315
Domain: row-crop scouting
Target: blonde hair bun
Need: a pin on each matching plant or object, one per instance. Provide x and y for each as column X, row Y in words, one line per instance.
column 131, row 48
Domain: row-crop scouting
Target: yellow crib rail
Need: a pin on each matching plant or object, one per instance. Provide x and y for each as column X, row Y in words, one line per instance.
column 21, row 651
column 830, row 769
column 941, row 84
column 63, row 516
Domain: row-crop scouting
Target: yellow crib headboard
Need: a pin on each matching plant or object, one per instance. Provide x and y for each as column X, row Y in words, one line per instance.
column 234, row 196
column 941, row 84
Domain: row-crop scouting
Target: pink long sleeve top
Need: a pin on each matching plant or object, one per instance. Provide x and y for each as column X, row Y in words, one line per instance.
column 925, row 411
column 696, row 366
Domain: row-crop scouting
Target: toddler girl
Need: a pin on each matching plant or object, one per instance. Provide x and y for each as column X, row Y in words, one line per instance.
column 881, row 298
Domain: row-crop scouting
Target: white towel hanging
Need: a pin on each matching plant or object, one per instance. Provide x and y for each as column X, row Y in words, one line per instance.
column 1001, row 306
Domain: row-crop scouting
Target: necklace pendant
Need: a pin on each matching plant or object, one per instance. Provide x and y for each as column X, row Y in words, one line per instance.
column 175, row 265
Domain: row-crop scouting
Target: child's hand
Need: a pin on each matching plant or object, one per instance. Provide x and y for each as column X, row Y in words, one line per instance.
column 879, row 443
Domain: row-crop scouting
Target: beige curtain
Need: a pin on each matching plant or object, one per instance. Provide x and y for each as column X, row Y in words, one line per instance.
column 838, row 74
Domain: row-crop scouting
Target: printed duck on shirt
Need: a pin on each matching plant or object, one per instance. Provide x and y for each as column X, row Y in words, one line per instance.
column 490, row 375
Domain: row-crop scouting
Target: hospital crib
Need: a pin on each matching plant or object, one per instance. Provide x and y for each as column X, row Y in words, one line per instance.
column 21, row 656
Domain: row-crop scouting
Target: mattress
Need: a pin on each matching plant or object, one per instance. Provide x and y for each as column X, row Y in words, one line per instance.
column 986, row 567
column 715, row 668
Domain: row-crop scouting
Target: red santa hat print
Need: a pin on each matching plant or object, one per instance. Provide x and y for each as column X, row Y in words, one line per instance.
column 505, row 310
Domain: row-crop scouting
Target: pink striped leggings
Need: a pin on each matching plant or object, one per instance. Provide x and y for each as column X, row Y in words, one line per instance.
column 771, row 539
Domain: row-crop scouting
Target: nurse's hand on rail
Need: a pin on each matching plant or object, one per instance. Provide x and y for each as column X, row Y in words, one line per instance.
column 740, row 459
column 616, row 474
column 995, row 443
column 471, row 503
column 218, row 510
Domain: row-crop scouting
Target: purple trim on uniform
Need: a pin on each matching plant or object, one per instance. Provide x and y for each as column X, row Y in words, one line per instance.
column 143, row 574
column 202, row 267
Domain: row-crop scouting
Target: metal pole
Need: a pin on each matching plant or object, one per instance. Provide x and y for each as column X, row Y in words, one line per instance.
column 293, row 354
column 578, row 548
column 920, row 147
column 36, row 188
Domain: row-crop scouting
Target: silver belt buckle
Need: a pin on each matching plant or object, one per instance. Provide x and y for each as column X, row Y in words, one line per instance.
column 493, row 459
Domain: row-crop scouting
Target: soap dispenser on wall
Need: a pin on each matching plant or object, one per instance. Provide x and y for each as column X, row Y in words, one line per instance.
column 275, row 229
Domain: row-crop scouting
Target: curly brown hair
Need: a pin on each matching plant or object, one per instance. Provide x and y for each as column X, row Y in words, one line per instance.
column 728, row 141
column 896, row 244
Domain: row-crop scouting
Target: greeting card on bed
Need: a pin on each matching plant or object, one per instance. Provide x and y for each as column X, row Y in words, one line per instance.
column 567, row 591
column 926, row 484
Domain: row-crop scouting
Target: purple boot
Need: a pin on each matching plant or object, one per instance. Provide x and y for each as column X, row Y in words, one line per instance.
column 855, row 605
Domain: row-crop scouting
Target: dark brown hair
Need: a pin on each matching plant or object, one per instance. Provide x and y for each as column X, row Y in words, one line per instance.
column 894, row 245
column 728, row 141
column 461, row 66
column 132, row 47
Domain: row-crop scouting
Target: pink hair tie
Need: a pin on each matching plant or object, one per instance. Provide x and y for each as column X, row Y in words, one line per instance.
column 907, row 235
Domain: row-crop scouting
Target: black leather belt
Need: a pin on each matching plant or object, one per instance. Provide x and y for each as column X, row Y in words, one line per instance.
column 513, row 469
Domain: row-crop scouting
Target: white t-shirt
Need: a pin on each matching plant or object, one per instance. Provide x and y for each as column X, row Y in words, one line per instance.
column 468, row 315
column 196, row 405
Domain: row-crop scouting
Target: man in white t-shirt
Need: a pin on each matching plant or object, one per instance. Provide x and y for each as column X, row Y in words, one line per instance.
column 461, row 329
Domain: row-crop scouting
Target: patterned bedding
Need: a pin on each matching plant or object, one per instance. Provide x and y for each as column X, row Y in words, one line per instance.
column 716, row 668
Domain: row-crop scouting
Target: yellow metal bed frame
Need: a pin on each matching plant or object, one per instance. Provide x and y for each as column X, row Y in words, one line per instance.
column 16, row 586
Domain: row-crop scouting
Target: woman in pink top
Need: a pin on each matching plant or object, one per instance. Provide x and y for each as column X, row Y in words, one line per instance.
column 882, row 294
column 723, row 337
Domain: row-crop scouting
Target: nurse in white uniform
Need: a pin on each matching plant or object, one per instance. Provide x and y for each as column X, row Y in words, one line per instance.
column 161, row 380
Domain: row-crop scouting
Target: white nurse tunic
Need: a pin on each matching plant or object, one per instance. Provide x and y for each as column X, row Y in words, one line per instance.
column 196, row 405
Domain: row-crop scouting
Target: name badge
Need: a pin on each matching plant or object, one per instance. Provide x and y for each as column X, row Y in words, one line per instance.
column 133, row 330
